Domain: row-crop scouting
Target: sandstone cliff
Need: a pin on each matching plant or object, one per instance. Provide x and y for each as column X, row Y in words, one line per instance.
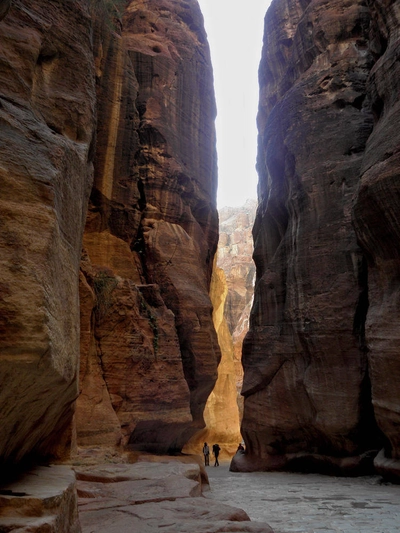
column 221, row 413
column 47, row 112
column 327, row 115
column 231, row 294
column 149, row 349
column 85, row 87
column 235, row 251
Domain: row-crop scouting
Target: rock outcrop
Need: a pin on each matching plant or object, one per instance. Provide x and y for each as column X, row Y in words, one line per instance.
column 154, row 494
column 231, row 294
column 108, row 129
column 47, row 113
column 148, row 346
column 43, row 499
column 235, row 251
column 377, row 224
column 327, row 116
column 221, row 413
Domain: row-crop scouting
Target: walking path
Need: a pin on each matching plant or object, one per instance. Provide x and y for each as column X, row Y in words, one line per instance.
column 309, row 503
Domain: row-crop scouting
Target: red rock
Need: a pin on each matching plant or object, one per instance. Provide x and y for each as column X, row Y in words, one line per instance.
column 306, row 381
column 378, row 230
column 149, row 348
column 48, row 120
column 42, row 499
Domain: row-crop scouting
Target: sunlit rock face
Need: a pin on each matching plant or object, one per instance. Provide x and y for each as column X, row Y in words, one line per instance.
column 47, row 113
column 221, row 413
column 148, row 346
column 377, row 222
column 306, row 381
column 231, row 294
column 235, row 251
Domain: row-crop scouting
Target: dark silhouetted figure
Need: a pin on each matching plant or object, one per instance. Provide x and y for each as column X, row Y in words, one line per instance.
column 216, row 450
column 206, row 453
column 240, row 448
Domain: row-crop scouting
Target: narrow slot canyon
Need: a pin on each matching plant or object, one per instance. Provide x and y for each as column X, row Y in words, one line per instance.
column 140, row 317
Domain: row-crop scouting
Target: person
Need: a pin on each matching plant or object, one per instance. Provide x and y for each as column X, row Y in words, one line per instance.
column 240, row 448
column 206, row 453
column 216, row 450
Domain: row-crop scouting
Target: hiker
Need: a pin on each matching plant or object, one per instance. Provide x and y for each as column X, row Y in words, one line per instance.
column 206, row 453
column 216, row 450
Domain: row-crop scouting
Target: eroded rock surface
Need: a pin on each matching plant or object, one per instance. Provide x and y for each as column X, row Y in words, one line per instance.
column 131, row 96
column 149, row 349
column 147, row 496
column 43, row 499
column 47, row 113
column 235, row 258
column 221, row 413
column 327, row 116
column 377, row 225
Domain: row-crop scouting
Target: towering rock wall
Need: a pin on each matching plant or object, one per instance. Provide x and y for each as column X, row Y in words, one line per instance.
column 235, row 251
column 149, row 348
column 231, row 293
column 132, row 97
column 221, row 414
column 377, row 222
column 327, row 111
column 47, row 113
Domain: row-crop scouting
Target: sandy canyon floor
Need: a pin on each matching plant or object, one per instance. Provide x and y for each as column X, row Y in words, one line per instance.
column 309, row 503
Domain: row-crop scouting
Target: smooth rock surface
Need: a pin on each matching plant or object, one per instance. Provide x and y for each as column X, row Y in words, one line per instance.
column 41, row 500
column 309, row 403
column 221, row 413
column 377, row 225
column 150, row 495
column 149, row 351
column 47, row 114
column 310, row 503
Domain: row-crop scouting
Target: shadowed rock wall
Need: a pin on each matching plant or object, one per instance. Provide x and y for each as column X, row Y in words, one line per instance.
column 149, row 348
column 377, row 223
column 47, row 113
column 133, row 97
column 326, row 118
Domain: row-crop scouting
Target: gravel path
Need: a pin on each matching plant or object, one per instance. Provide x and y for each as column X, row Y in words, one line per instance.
column 309, row 503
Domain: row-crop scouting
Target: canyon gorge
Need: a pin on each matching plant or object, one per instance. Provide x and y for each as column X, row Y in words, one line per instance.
column 121, row 326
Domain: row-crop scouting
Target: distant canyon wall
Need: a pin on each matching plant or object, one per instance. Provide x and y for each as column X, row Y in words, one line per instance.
column 231, row 293
column 321, row 359
column 108, row 140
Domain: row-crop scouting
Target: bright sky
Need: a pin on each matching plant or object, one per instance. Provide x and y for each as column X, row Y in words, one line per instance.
column 235, row 30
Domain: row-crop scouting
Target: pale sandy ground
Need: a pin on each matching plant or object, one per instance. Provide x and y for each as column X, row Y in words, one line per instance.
column 309, row 503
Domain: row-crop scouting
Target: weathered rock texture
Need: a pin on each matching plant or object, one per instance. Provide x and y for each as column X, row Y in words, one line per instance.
column 231, row 293
column 221, row 414
column 328, row 109
column 377, row 222
column 151, row 496
column 44, row 499
column 235, row 251
column 47, row 113
column 148, row 346
column 81, row 86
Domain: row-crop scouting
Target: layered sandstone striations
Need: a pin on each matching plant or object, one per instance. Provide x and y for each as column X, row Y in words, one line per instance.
column 47, row 113
column 133, row 98
column 377, row 224
column 149, row 349
column 306, row 380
